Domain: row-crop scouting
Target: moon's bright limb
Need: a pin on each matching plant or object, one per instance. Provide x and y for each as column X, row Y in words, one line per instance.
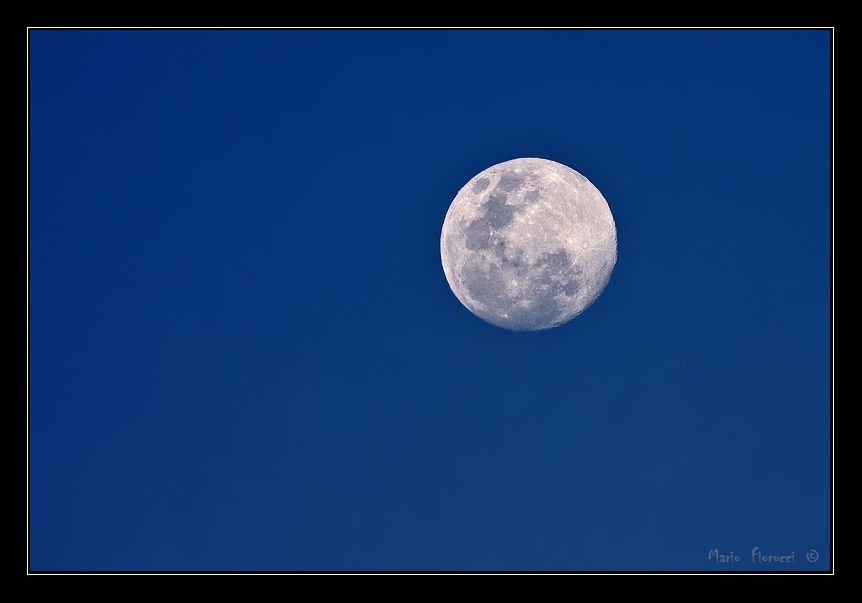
column 528, row 244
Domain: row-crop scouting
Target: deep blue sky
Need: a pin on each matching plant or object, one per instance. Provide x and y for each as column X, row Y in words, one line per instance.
column 244, row 353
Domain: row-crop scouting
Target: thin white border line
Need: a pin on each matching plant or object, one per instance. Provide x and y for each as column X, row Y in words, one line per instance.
column 418, row 28
column 832, row 291
column 27, row 297
column 832, row 294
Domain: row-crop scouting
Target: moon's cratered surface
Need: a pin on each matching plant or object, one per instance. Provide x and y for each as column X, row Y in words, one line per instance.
column 528, row 244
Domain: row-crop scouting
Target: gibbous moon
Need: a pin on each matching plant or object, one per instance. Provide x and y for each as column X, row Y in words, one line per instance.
column 528, row 244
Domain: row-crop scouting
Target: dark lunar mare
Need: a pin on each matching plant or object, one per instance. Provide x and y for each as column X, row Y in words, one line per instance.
column 496, row 215
column 496, row 212
column 551, row 276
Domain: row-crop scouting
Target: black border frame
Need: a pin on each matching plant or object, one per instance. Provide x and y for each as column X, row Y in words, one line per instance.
column 21, row 216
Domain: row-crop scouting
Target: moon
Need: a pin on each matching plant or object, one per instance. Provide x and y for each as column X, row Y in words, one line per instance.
column 528, row 244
